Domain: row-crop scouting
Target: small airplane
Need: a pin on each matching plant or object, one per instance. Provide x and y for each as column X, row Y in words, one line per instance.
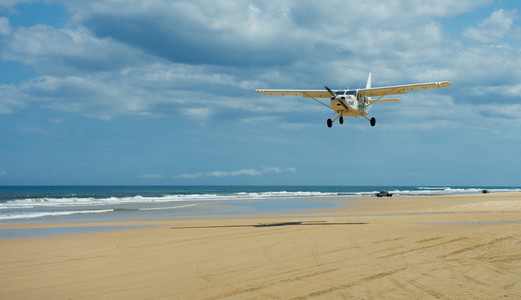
column 356, row 103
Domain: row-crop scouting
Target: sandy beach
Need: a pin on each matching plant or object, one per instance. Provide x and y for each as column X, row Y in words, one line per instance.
column 429, row 247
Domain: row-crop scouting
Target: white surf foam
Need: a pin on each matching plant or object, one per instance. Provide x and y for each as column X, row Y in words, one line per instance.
column 32, row 215
column 169, row 207
column 77, row 201
column 32, row 203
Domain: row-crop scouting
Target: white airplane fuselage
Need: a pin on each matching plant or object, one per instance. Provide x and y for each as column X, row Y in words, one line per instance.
column 346, row 104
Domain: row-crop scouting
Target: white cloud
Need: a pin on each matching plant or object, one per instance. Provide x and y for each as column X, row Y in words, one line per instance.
column 152, row 176
column 513, row 91
column 241, row 172
column 10, row 3
column 3, row 173
column 262, row 32
column 98, row 66
column 96, row 96
column 493, row 28
column 68, row 51
column 5, row 26
column 136, row 91
column 56, row 120
column 10, row 100
column 198, row 113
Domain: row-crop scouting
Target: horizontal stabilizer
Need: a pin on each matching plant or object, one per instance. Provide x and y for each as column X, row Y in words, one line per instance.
column 385, row 100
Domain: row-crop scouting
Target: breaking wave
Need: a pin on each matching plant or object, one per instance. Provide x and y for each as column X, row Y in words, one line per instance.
column 32, row 215
column 90, row 201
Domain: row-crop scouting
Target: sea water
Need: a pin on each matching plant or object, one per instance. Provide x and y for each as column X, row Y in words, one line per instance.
column 46, row 204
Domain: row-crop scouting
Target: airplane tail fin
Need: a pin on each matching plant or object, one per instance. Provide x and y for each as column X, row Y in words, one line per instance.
column 368, row 85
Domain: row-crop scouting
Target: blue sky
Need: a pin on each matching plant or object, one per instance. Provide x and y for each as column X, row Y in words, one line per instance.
column 161, row 92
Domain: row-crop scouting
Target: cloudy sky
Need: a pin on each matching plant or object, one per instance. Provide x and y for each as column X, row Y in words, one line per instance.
column 161, row 92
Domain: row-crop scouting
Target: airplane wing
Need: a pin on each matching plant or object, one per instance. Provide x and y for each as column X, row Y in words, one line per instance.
column 370, row 92
column 303, row 93
column 401, row 89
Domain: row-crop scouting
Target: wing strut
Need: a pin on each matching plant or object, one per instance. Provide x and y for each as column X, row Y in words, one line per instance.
column 318, row 101
column 374, row 101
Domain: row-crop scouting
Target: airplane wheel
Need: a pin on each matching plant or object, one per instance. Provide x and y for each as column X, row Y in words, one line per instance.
column 373, row 121
column 341, row 120
column 329, row 123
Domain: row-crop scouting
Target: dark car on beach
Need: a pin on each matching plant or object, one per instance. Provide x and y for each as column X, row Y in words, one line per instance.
column 383, row 194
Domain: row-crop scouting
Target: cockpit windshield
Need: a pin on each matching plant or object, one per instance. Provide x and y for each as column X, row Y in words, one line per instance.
column 345, row 92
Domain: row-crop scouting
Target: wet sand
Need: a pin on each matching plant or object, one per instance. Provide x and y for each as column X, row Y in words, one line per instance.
column 431, row 247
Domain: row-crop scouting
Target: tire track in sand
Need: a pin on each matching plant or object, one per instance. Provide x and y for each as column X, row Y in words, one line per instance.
column 473, row 247
column 350, row 284
column 423, row 247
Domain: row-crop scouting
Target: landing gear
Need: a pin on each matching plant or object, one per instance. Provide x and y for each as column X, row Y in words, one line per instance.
column 340, row 119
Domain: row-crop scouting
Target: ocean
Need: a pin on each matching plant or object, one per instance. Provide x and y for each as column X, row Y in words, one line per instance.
column 49, row 204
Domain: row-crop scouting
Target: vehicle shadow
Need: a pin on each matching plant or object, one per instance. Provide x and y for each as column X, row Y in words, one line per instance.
column 303, row 223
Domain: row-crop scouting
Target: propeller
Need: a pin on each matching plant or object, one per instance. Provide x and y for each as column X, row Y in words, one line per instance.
column 334, row 96
column 330, row 91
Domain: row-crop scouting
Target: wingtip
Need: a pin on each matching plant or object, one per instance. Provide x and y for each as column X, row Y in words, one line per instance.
column 444, row 84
